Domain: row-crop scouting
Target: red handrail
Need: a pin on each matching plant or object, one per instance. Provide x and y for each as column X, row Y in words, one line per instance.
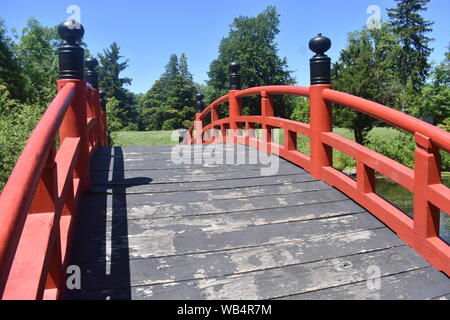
column 38, row 203
column 430, row 195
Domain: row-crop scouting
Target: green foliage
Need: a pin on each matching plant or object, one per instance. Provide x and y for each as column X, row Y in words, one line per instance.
column 251, row 41
column 301, row 110
column 169, row 104
column 11, row 74
column 37, row 53
column 395, row 144
column 365, row 69
column 411, row 28
column 125, row 103
column 115, row 115
column 17, row 121
column 445, row 125
column 435, row 97
column 398, row 146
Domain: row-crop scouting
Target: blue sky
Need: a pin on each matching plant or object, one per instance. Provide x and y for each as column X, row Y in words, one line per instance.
column 148, row 31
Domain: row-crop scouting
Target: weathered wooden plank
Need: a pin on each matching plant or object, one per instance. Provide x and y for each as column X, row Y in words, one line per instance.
column 413, row 285
column 151, row 229
column 210, row 195
column 99, row 229
column 205, row 185
column 215, row 264
column 173, row 241
column 138, row 206
column 279, row 282
column 177, row 175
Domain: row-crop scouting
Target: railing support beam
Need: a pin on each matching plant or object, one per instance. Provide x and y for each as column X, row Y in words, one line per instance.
column 427, row 167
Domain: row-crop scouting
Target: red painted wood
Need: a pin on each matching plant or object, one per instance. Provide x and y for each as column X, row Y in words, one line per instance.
column 74, row 126
column 290, row 140
column 424, row 181
column 44, row 186
column 387, row 167
column 320, row 121
column 440, row 138
column 365, row 178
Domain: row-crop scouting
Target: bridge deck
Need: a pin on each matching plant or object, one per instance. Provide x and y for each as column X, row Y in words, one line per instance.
column 151, row 229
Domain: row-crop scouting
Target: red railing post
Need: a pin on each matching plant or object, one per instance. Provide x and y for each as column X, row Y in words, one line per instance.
column 198, row 125
column 235, row 103
column 91, row 76
column 105, row 125
column 71, row 69
column 427, row 171
column 320, row 110
column 266, row 111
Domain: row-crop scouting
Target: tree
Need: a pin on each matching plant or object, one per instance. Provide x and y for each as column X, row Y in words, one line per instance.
column 110, row 67
column 37, row 54
column 435, row 97
column 11, row 73
column 169, row 104
column 184, row 70
column 411, row 28
column 366, row 69
column 251, row 41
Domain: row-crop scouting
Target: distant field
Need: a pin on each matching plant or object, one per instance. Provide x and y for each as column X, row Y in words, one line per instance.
column 159, row 138
column 142, row 138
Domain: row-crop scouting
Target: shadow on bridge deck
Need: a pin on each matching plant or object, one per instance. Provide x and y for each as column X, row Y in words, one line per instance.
column 151, row 229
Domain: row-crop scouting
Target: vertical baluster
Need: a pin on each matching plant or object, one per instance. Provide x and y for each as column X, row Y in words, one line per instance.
column 365, row 178
column 320, row 110
column 290, row 140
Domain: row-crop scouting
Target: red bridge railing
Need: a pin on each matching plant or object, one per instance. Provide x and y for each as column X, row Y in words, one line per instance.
column 424, row 181
column 38, row 205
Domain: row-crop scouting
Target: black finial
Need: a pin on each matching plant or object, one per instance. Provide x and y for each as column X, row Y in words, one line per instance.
column 320, row 64
column 71, row 31
column 199, row 104
column 235, row 77
column 103, row 100
column 71, row 55
column 91, row 75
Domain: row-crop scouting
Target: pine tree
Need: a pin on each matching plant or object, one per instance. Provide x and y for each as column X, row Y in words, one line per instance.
column 169, row 104
column 183, row 64
column 411, row 27
column 110, row 67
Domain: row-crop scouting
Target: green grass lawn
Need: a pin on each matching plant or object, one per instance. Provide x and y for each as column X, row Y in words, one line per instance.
column 142, row 138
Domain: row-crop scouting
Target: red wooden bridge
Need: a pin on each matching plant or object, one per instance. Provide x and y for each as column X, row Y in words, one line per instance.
column 137, row 224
